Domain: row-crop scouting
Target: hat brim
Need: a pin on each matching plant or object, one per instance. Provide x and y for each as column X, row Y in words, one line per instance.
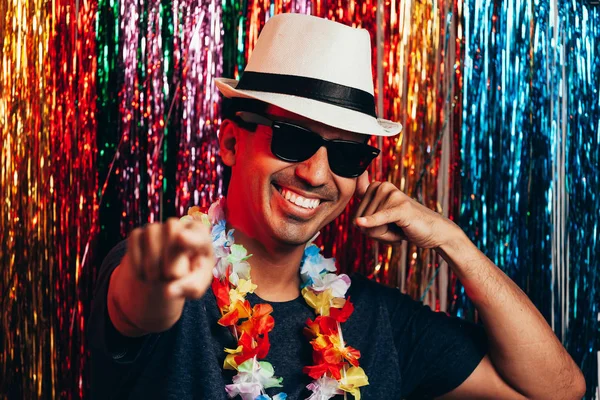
column 328, row 114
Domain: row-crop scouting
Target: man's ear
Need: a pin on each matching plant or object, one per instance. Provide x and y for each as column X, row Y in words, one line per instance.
column 228, row 141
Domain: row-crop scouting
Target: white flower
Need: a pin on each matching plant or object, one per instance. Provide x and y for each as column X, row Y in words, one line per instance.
column 220, row 268
column 247, row 391
column 338, row 284
column 239, row 271
column 314, row 268
column 324, row 388
column 252, row 377
column 216, row 212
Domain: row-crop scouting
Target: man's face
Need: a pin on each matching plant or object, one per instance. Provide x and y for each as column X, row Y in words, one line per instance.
column 282, row 201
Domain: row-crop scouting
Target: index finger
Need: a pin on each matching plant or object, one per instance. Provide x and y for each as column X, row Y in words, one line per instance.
column 191, row 239
column 362, row 184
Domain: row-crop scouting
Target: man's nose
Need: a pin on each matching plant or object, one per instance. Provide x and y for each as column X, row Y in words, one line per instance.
column 314, row 171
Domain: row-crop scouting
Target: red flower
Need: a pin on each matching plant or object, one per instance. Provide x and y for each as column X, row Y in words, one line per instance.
column 231, row 318
column 251, row 347
column 238, row 311
column 312, row 329
column 342, row 314
column 328, row 325
column 248, row 348
column 221, row 291
column 317, row 371
column 263, row 346
column 260, row 322
column 349, row 353
column 352, row 355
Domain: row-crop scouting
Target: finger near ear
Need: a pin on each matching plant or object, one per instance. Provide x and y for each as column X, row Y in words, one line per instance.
column 367, row 198
column 378, row 198
column 377, row 232
column 393, row 198
column 387, row 216
column 391, row 236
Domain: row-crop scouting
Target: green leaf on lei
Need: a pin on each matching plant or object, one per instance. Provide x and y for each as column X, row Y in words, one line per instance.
column 238, row 254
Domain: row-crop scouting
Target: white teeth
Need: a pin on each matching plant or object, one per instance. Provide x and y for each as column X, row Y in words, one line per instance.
column 299, row 200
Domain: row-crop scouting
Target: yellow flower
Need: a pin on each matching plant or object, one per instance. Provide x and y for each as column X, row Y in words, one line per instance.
column 323, row 301
column 246, row 286
column 194, row 214
column 239, row 292
column 193, row 210
column 354, row 378
column 229, row 362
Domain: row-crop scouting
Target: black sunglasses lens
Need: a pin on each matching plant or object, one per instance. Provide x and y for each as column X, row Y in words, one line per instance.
column 292, row 143
column 295, row 144
column 350, row 159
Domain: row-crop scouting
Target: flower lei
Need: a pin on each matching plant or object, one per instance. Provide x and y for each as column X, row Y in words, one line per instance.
column 336, row 369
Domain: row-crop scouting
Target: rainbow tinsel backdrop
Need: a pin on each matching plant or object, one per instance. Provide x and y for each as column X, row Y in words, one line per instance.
column 108, row 120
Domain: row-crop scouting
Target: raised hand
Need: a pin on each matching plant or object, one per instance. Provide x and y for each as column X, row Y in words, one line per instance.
column 165, row 264
column 388, row 215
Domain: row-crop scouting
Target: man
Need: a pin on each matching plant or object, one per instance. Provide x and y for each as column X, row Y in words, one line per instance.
column 295, row 140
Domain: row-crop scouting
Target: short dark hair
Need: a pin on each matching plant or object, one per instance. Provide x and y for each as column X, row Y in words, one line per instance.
column 230, row 108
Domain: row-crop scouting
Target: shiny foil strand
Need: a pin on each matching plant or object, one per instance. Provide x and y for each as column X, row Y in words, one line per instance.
column 156, row 91
column 199, row 171
column 420, row 87
column 530, row 158
column 582, row 180
column 557, row 195
column 496, row 161
column 48, row 185
column 142, row 111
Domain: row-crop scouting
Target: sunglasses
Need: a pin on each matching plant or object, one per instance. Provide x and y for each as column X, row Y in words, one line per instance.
column 293, row 143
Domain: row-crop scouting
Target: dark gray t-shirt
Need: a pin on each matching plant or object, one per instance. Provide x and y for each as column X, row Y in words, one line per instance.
column 407, row 350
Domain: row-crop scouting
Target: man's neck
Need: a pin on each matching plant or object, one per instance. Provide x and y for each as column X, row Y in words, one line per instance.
column 275, row 270
column 275, row 266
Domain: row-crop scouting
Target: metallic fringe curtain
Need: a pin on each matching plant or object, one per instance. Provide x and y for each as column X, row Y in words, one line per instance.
column 48, row 188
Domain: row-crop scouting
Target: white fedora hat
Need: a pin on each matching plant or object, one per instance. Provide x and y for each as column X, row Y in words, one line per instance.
column 315, row 68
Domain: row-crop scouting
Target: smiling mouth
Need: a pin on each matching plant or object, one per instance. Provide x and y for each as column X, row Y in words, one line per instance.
column 295, row 198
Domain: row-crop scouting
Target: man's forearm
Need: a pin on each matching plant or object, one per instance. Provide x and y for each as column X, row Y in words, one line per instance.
column 524, row 349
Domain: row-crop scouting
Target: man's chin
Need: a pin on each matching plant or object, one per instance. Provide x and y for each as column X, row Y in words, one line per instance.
column 293, row 236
